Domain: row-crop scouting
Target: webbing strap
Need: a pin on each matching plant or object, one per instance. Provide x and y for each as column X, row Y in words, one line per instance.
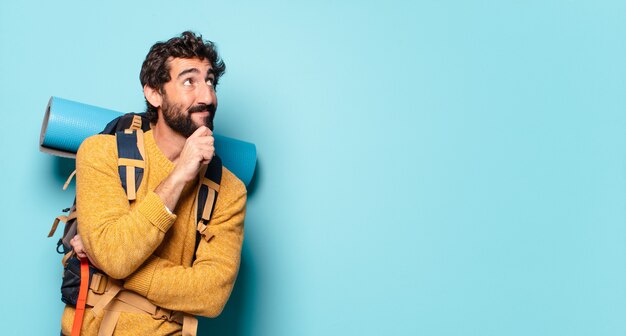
column 209, row 188
column 190, row 325
column 66, row 257
column 106, row 298
column 130, row 184
column 69, row 179
column 140, row 144
column 82, row 297
column 115, row 301
column 136, row 125
column 208, row 205
column 201, row 228
column 130, row 162
column 207, row 195
column 212, row 185
column 55, row 224
column 144, row 305
column 109, row 321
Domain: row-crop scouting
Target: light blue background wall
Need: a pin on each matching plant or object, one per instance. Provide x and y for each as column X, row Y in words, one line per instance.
column 425, row 167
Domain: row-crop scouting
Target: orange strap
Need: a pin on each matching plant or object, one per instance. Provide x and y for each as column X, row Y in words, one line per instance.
column 82, row 297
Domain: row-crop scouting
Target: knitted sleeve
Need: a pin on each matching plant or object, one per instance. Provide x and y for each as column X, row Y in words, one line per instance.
column 117, row 237
column 204, row 288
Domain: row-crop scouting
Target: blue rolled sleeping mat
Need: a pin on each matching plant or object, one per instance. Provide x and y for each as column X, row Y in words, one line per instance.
column 67, row 123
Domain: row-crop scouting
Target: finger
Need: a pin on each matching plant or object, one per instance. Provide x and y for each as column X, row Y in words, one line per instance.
column 202, row 149
column 201, row 131
column 208, row 155
column 201, row 140
column 208, row 152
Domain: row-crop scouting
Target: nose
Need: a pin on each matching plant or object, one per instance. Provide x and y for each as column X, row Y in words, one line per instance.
column 206, row 94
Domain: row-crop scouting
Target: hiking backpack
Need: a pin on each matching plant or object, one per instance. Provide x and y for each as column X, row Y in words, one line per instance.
column 128, row 130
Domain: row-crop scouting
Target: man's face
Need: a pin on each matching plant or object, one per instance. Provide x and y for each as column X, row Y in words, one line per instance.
column 189, row 99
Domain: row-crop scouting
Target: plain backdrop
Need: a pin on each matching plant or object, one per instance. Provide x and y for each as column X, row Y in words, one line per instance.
column 424, row 167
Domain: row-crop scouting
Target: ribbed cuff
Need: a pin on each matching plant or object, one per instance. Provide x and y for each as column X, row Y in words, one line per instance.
column 154, row 210
column 139, row 282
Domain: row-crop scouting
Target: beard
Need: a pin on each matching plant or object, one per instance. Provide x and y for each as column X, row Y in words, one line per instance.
column 181, row 122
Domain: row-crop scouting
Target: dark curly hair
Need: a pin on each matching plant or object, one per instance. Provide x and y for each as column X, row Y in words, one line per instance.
column 155, row 71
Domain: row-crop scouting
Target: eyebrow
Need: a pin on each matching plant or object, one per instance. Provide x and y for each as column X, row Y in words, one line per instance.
column 186, row 71
column 193, row 70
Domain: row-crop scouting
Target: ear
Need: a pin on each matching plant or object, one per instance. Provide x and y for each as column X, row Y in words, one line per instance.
column 153, row 96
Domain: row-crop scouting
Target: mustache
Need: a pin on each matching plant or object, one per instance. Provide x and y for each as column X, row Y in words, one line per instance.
column 202, row 108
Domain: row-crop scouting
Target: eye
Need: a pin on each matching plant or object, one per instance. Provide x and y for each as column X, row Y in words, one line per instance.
column 210, row 81
column 187, row 82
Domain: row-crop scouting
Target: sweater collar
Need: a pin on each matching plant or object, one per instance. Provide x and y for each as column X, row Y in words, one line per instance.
column 155, row 152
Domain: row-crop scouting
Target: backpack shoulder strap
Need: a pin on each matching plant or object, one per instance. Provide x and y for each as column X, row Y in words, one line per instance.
column 131, row 160
column 130, row 147
column 127, row 121
column 207, row 195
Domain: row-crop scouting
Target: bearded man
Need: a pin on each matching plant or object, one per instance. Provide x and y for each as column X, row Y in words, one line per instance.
column 148, row 246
